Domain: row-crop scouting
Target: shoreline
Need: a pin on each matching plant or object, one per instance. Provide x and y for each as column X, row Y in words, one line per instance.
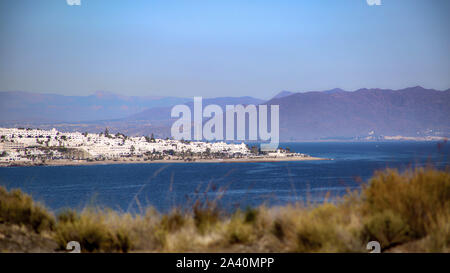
column 168, row 161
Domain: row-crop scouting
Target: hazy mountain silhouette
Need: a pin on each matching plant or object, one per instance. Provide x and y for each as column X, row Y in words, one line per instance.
column 411, row 111
column 163, row 113
column 337, row 113
column 27, row 106
column 283, row 94
column 329, row 114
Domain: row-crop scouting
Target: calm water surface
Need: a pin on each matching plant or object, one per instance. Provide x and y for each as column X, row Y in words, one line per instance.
column 127, row 187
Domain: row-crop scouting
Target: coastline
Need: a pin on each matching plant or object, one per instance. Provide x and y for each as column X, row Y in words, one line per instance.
column 166, row 161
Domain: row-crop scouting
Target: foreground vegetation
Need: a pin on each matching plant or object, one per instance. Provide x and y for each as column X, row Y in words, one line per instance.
column 405, row 212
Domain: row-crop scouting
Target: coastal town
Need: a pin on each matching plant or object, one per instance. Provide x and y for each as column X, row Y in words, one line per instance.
column 26, row 146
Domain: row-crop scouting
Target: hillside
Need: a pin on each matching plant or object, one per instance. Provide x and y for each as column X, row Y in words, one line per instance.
column 412, row 111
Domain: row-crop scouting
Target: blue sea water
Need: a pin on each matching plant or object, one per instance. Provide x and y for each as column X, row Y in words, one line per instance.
column 132, row 187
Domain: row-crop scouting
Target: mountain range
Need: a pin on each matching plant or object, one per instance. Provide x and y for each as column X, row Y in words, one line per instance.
column 37, row 107
column 336, row 113
column 315, row 115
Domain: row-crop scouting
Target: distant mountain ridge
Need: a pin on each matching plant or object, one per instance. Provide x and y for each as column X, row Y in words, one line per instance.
column 413, row 111
column 27, row 106
column 163, row 113
column 315, row 115
column 283, row 93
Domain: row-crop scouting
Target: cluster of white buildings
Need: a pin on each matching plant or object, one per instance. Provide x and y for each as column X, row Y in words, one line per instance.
column 25, row 144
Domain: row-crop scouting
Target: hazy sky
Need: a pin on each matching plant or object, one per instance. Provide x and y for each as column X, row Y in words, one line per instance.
column 222, row 48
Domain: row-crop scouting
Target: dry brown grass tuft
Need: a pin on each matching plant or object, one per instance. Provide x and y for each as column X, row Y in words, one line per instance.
column 19, row 208
column 401, row 207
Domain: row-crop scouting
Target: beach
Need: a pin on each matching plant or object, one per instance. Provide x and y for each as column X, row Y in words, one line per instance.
column 66, row 162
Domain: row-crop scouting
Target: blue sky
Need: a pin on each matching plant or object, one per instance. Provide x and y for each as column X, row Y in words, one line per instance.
column 222, row 48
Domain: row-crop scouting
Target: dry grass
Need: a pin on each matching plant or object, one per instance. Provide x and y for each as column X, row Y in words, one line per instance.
column 95, row 230
column 419, row 197
column 405, row 212
column 19, row 208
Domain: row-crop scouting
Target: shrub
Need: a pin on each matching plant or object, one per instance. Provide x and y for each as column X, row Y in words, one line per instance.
column 18, row 208
column 172, row 221
column 205, row 215
column 251, row 215
column 317, row 229
column 92, row 230
column 420, row 197
column 239, row 230
column 67, row 216
column 387, row 228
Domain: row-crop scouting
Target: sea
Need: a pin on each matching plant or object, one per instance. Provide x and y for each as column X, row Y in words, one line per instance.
column 165, row 186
